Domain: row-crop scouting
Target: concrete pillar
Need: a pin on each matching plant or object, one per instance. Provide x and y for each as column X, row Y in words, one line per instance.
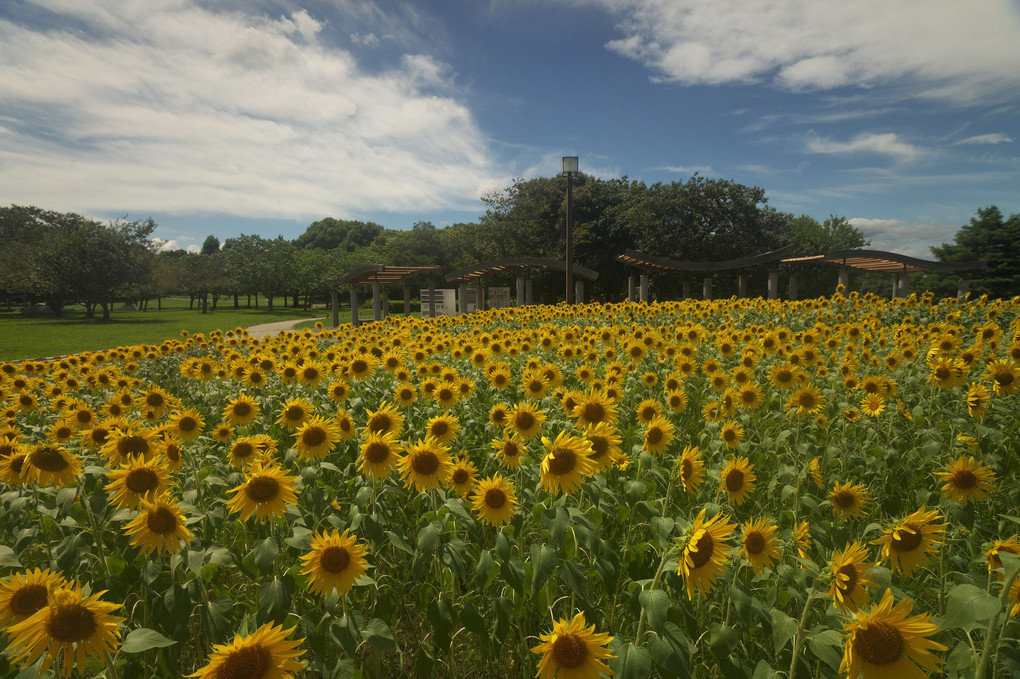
column 742, row 285
column 903, row 283
column 432, row 299
column 895, row 286
column 462, row 299
column 334, row 305
column 687, row 289
column 520, row 291
column 793, row 286
column 844, row 278
column 355, row 321
column 376, row 302
column 385, row 304
column 630, row 288
column 529, row 292
column 480, row 298
column 643, row 288
column 407, row 300
column 579, row 291
column 706, row 288
column 962, row 288
column 773, row 285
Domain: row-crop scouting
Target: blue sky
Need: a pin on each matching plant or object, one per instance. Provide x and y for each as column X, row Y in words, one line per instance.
column 260, row 116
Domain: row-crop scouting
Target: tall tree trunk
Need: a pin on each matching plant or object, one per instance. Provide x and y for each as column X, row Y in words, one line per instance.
column 159, row 303
column 269, row 301
column 106, row 310
column 236, row 300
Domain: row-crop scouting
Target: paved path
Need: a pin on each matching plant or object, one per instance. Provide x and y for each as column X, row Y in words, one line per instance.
column 273, row 328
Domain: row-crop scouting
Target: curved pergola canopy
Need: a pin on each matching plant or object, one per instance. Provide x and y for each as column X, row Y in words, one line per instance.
column 879, row 261
column 495, row 266
column 654, row 263
column 380, row 273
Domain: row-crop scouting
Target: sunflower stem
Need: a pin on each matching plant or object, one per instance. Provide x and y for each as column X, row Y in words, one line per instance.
column 42, row 526
column 111, row 664
column 655, row 584
column 800, row 629
column 96, row 534
column 990, row 649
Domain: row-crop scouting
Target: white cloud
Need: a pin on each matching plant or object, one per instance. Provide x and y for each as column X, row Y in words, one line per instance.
column 888, row 144
column 906, row 238
column 946, row 48
column 163, row 245
column 994, row 138
column 689, row 169
column 166, row 106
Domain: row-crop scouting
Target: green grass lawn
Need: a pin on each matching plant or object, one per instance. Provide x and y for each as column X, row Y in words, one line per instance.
column 22, row 337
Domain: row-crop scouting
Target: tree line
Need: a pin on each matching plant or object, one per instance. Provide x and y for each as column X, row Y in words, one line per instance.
column 62, row 258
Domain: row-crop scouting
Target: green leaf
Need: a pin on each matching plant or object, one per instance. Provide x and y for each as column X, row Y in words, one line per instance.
column 671, row 651
column 216, row 618
column 428, row 538
column 764, row 671
column 655, row 604
column 440, row 615
column 275, row 598
column 513, row 572
column 967, row 606
column 484, row 568
column 378, row 635
column 456, row 507
column 143, row 639
column 475, row 623
column 8, row 559
column 345, row 632
column 399, row 542
column 827, row 647
column 265, row 554
column 631, row 662
column 543, row 561
column 504, row 617
column 783, row 629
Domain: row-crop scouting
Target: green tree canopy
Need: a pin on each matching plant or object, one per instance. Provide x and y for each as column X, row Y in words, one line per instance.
column 990, row 237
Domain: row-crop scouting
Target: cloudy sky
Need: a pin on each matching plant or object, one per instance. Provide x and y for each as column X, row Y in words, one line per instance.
column 260, row 116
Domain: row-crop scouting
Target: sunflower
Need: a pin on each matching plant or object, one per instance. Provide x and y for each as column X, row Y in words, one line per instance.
column 171, row 454
column 425, row 465
column 22, row 594
column 316, row 438
column 243, row 451
column 849, row 500
column 1005, row 376
column 690, row 468
column 737, row 479
column 978, row 399
column 566, row 463
column 61, row 431
column 872, row 405
column 677, row 400
column 295, row 412
column 81, row 627
column 157, row 400
column 499, row 415
column 265, row 493
column 749, row 396
column 135, row 480
column 648, row 410
column 759, row 544
column 851, row 576
column 852, row 414
column 658, row 435
column 51, row 465
column 527, row 420
column 362, row 367
column 499, row 377
column 387, row 419
column 732, row 434
column 573, row 651
column 510, row 450
column 887, row 642
column 443, row 428
column 223, row 432
column 264, row 654
column 335, row 563
column 127, row 442
column 379, row 453
column 967, row 480
column 815, row 472
column 495, row 500
column 404, row 394
column 947, row 373
column 911, row 541
column 705, row 551
column 160, row 526
column 446, row 395
column 807, row 400
column 463, row 476
column 784, row 375
column 594, row 407
column 802, row 537
column 605, row 445
column 1010, row 545
column 241, row 410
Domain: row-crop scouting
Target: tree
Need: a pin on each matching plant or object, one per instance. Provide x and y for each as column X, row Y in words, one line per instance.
column 989, row 237
column 329, row 233
column 814, row 238
column 211, row 245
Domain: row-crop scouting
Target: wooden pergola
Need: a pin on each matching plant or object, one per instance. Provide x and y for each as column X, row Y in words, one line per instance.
column 653, row 263
column 524, row 290
column 377, row 275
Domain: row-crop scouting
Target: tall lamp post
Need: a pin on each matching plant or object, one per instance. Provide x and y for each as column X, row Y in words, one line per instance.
column 570, row 171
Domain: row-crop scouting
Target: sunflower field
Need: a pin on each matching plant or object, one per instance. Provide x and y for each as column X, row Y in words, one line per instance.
column 731, row 488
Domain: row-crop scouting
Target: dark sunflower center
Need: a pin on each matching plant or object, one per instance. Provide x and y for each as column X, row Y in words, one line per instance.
column 845, row 499
column 377, row 452
column 599, row 446
column 879, row 643
column 964, row 479
column 242, row 409
column 703, row 550
column 63, row 432
column 359, row 366
column 569, row 650
column 173, row 453
column 807, row 400
column 729, row 435
column 313, row 436
column 440, row 428
column 187, row 424
column 754, row 543
column 132, row 445
column 1004, row 378
column 495, row 498
column 71, row 623
column 18, row 463
column 262, row 489
column 161, row 521
column 524, row 420
column 247, row 662
column 425, row 463
column 294, row 413
column 784, row 376
column 48, row 460
column 460, row 476
column 141, row 481
column 243, row 450
column 686, row 469
column 562, row 461
column 906, row 541
column 654, row 436
column 850, row 572
column 380, row 423
column 83, row 416
column 942, row 373
column 445, row 394
column 734, row 480
column 593, row 412
column 334, row 559
column 28, row 599
column 648, row 413
column 510, row 449
column 154, row 400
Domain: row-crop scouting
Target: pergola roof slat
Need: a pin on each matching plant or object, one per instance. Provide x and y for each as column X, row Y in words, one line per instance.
column 495, row 266
column 646, row 261
column 380, row 273
column 885, row 262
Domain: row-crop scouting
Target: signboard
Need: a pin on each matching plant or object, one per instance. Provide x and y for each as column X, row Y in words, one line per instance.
column 446, row 302
column 499, row 298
